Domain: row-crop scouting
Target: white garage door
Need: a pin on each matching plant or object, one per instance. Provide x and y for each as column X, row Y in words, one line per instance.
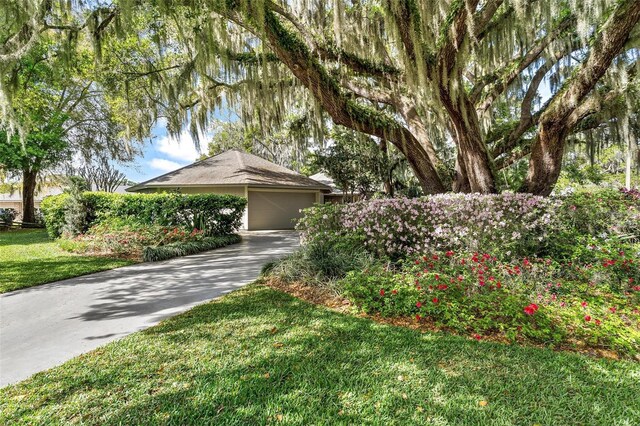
column 277, row 210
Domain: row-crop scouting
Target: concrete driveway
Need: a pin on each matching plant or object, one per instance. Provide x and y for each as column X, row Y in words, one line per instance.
column 43, row 326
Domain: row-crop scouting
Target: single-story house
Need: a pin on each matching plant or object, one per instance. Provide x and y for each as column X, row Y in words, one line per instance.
column 274, row 193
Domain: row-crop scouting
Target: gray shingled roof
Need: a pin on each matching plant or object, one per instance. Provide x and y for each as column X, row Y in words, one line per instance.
column 232, row 168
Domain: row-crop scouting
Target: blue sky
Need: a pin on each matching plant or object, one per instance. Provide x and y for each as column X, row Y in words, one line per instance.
column 162, row 154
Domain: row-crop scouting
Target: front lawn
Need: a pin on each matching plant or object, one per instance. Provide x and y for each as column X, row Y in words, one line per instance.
column 259, row 356
column 29, row 257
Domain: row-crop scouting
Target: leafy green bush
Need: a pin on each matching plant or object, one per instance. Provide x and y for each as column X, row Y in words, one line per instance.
column 607, row 219
column 154, row 254
column 53, row 212
column 214, row 214
column 322, row 261
column 7, row 216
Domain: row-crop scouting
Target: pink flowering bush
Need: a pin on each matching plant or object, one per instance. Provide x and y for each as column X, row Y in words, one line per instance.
column 509, row 225
column 515, row 223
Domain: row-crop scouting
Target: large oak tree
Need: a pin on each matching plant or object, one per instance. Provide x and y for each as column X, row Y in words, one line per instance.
column 501, row 80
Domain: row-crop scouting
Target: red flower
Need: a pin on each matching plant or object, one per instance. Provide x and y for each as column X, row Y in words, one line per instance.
column 382, row 292
column 598, row 322
column 435, row 257
column 437, row 277
column 443, row 287
column 418, row 305
column 531, row 309
column 449, row 253
column 584, row 304
column 394, row 291
column 613, row 309
column 477, row 336
column 499, row 284
column 587, row 318
column 434, row 300
column 418, row 317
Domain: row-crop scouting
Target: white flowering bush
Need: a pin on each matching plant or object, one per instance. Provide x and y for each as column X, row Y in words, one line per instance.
column 507, row 223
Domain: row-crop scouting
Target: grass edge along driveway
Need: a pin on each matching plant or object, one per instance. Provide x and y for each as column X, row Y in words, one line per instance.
column 259, row 356
column 29, row 257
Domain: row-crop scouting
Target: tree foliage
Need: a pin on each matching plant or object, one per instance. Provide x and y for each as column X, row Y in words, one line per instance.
column 467, row 77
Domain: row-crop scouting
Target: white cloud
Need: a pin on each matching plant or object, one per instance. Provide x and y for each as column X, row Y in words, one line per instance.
column 182, row 149
column 164, row 165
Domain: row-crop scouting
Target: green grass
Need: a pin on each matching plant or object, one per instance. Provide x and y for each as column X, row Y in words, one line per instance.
column 258, row 356
column 29, row 257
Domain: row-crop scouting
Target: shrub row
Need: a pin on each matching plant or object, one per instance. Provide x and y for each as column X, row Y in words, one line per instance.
column 212, row 213
column 168, row 251
column 508, row 224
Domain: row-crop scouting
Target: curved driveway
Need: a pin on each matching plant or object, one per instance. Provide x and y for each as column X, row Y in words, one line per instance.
column 43, row 326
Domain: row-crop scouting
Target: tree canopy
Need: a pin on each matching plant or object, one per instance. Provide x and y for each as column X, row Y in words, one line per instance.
column 463, row 88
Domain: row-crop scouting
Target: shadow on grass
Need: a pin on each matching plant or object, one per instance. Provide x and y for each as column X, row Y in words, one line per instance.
column 259, row 356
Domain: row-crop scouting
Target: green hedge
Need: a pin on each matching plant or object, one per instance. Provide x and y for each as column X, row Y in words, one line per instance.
column 215, row 214
column 53, row 211
column 154, row 254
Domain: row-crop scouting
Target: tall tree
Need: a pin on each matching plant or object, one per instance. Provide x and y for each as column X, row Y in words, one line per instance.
column 60, row 110
column 418, row 74
column 44, row 147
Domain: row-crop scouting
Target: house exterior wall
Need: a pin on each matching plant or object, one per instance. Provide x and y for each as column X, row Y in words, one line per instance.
column 17, row 205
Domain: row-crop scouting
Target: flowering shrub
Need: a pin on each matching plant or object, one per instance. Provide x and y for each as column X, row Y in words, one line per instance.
column 515, row 223
column 533, row 299
column 509, row 225
column 560, row 271
column 128, row 239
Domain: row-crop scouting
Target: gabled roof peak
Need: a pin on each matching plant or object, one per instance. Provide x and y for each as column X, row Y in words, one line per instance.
column 231, row 168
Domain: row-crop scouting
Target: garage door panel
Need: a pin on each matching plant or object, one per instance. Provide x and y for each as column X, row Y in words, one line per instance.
column 277, row 210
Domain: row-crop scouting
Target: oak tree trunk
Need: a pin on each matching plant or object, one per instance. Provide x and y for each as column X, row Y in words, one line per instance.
column 460, row 180
column 474, row 162
column 28, row 192
column 546, row 160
